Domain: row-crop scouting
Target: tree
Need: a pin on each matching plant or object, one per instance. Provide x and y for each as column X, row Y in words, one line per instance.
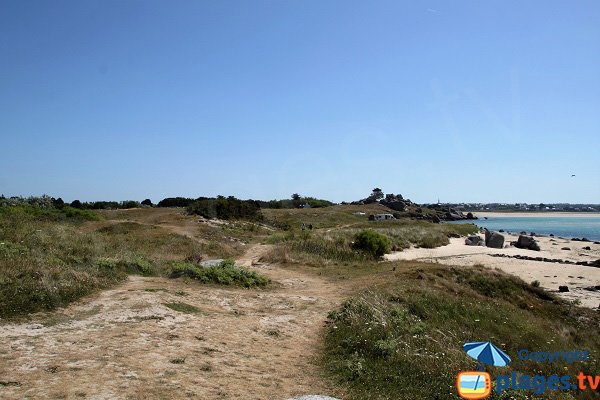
column 377, row 194
column 58, row 203
column 296, row 200
column 76, row 204
column 147, row 202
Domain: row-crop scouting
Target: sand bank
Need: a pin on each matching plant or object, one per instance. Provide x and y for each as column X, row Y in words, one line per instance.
column 550, row 275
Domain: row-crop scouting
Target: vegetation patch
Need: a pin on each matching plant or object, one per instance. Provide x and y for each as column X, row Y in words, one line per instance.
column 226, row 208
column 183, row 308
column 226, row 273
column 404, row 339
column 372, row 243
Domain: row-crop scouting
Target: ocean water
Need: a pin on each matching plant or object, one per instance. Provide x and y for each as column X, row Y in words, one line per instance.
column 560, row 225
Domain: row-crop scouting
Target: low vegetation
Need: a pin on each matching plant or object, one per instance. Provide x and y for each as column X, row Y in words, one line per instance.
column 404, row 339
column 226, row 273
column 50, row 257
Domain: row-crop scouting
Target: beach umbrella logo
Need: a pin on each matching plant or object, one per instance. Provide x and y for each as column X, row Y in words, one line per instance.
column 487, row 353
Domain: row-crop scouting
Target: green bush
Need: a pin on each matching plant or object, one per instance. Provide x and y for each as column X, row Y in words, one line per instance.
column 226, row 273
column 372, row 242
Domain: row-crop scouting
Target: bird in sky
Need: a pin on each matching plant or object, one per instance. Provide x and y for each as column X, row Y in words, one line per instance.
column 572, row 175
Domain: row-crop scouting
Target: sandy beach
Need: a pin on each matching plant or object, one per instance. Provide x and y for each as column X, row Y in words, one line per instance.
column 550, row 275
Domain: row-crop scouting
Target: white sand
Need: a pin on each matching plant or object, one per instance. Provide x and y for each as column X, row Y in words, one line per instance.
column 550, row 275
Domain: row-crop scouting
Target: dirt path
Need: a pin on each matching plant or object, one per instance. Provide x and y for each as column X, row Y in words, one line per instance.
column 126, row 343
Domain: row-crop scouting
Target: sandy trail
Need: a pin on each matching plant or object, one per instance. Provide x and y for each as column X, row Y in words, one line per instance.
column 550, row 275
column 125, row 343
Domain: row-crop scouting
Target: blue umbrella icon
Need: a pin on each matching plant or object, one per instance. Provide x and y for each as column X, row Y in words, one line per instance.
column 487, row 353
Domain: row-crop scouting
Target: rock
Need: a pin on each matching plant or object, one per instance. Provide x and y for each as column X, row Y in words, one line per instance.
column 211, row 263
column 471, row 216
column 494, row 240
column 474, row 240
column 526, row 242
column 563, row 289
column 313, row 397
column 501, row 230
column 435, row 219
column 523, row 233
column 596, row 242
column 586, row 248
column 566, row 248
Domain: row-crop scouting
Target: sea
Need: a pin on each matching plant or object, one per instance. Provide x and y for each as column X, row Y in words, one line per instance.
column 576, row 226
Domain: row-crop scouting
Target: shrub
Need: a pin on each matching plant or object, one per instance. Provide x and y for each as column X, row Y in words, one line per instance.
column 175, row 202
column 226, row 273
column 372, row 243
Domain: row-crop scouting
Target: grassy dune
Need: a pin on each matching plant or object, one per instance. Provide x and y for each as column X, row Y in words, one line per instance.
column 403, row 338
column 50, row 258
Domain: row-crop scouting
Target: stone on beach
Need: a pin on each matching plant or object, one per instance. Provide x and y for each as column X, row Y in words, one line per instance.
column 474, row 240
column 526, row 242
column 494, row 240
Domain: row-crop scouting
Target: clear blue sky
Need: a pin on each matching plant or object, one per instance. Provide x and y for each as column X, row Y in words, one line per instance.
column 463, row 100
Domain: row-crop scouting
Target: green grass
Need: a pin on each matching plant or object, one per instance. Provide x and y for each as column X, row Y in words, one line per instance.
column 227, row 273
column 337, row 245
column 26, row 211
column 183, row 308
column 403, row 339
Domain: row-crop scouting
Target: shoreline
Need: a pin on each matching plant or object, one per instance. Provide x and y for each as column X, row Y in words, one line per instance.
column 551, row 275
column 560, row 214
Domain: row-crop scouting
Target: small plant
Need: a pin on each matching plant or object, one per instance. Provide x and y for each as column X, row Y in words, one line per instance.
column 183, row 307
column 535, row 284
column 373, row 243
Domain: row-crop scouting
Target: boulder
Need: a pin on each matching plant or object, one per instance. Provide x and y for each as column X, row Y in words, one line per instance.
column 586, row 248
column 566, row 248
column 535, row 246
column 494, row 240
column 435, row 219
column 563, row 289
column 471, row 216
column 526, row 242
column 474, row 240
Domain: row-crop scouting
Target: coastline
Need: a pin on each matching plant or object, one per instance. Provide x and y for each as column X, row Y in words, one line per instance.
column 516, row 214
column 550, row 275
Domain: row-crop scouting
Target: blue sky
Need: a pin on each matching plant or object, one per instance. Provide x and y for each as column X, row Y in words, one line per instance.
column 457, row 100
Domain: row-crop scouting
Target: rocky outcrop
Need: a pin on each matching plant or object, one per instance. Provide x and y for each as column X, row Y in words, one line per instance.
column 395, row 202
column 494, row 240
